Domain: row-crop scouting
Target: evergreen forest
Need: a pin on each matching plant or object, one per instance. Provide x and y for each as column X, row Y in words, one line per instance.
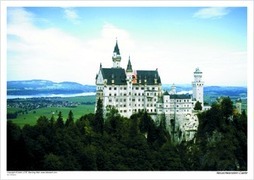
column 95, row 142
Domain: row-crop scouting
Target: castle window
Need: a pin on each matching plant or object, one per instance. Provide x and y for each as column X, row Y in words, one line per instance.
column 109, row 88
column 153, row 88
column 136, row 88
column 114, row 88
column 142, row 88
column 124, row 88
column 115, row 94
column 109, row 94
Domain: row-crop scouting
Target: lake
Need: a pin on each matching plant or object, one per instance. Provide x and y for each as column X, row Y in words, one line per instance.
column 50, row 95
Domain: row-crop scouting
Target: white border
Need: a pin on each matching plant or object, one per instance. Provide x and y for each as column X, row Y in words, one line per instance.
column 125, row 175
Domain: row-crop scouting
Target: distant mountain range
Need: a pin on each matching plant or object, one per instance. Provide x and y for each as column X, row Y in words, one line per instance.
column 218, row 90
column 33, row 87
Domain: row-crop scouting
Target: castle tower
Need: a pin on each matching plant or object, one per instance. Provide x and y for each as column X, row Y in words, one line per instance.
column 129, row 73
column 198, row 87
column 116, row 58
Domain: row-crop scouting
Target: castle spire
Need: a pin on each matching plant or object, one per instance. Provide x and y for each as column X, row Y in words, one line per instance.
column 116, row 49
column 129, row 66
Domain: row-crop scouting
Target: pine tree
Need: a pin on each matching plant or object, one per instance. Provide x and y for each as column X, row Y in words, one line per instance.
column 99, row 120
column 70, row 120
column 198, row 106
column 59, row 121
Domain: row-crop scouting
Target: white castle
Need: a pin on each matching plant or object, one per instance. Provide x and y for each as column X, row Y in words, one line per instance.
column 131, row 91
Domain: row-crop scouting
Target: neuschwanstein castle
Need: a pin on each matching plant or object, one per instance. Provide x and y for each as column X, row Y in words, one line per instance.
column 131, row 91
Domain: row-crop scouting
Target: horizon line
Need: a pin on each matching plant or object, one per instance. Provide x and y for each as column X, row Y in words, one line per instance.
column 169, row 84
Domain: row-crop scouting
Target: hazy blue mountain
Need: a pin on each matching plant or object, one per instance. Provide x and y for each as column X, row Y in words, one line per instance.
column 31, row 87
column 222, row 90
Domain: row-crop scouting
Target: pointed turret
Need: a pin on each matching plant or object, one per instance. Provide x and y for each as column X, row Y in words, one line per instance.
column 116, row 49
column 129, row 66
column 116, row 58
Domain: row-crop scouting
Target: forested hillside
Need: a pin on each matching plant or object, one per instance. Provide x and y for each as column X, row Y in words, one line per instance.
column 137, row 143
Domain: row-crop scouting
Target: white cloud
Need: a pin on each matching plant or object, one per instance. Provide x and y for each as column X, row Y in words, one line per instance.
column 71, row 15
column 212, row 12
column 19, row 16
column 43, row 53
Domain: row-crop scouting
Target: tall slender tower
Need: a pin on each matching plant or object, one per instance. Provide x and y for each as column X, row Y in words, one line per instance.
column 116, row 58
column 198, row 87
column 129, row 73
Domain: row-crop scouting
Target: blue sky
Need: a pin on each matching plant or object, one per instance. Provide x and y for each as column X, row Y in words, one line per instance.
column 68, row 44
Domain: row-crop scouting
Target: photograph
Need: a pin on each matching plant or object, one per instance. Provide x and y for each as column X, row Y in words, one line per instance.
column 138, row 90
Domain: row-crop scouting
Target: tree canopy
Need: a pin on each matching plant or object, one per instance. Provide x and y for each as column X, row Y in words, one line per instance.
column 113, row 142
